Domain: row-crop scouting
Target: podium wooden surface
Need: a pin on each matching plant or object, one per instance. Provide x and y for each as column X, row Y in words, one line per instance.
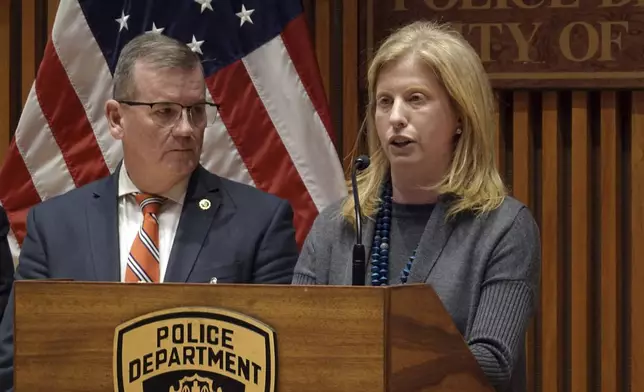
column 329, row 338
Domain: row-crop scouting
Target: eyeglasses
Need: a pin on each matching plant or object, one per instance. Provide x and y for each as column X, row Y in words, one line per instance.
column 166, row 114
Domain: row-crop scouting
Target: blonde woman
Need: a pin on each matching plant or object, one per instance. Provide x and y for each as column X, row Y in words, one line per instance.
column 435, row 208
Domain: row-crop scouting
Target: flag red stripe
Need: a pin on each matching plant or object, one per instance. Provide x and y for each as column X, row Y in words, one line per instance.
column 259, row 144
column 67, row 120
column 298, row 45
column 18, row 193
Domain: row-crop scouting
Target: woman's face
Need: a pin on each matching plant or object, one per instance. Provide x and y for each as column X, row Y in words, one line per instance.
column 414, row 118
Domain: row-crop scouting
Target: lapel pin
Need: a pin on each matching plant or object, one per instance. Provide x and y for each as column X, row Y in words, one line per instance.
column 204, row 204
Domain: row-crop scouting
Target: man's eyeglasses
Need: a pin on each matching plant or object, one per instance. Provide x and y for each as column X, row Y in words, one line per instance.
column 166, row 114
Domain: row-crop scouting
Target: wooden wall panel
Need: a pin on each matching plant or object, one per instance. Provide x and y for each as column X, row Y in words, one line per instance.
column 578, row 163
column 322, row 41
column 350, row 121
column 500, row 140
column 521, row 179
column 610, row 238
column 636, row 277
column 52, row 7
column 551, row 267
column 580, row 279
column 522, row 149
column 28, row 66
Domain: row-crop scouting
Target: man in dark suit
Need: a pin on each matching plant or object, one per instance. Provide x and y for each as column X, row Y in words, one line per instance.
column 160, row 217
column 6, row 262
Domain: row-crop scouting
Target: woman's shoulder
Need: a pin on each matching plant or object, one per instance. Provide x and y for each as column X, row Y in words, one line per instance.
column 511, row 208
column 512, row 216
column 333, row 210
column 330, row 218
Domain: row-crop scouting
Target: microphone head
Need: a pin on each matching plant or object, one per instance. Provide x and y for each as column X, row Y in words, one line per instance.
column 362, row 162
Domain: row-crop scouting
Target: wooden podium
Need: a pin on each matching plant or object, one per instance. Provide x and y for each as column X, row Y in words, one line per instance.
column 327, row 338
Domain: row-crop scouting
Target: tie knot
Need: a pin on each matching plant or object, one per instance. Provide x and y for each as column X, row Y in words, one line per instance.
column 150, row 204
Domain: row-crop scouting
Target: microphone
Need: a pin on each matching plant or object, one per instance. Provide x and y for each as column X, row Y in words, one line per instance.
column 359, row 256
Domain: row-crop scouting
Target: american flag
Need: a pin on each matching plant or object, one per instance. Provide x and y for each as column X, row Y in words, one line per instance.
column 274, row 130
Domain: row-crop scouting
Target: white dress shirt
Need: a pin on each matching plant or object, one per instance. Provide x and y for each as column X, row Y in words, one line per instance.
column 130, row 218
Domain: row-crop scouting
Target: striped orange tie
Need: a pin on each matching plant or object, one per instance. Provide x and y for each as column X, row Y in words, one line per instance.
column 143, row 261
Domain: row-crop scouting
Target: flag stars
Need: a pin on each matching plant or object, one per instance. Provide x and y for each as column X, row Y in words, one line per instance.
column 244, row 15
column 205, row 4
column 122, row 21
column 155, row 29
column 195, row 45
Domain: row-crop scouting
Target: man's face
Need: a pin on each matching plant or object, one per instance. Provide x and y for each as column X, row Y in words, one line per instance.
column 155, row 147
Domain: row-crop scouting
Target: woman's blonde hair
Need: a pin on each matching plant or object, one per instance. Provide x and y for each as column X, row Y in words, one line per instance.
column 472, row 177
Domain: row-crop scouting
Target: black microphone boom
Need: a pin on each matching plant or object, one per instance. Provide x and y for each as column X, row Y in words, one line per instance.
column 359, row 255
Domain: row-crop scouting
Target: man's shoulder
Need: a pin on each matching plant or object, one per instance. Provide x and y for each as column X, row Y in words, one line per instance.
column 247, row 196
column 73, row 198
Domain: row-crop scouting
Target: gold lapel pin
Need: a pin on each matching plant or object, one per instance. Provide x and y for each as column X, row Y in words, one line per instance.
column 204, row 204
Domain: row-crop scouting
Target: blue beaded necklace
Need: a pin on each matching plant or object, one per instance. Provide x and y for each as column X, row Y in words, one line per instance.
column 380, row 245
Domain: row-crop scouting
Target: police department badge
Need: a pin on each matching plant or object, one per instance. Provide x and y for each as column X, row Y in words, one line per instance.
column 194, row 349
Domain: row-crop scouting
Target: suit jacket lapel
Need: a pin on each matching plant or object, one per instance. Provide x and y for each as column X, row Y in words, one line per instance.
column 202, row 201
column 433, row 240
column 102, row 225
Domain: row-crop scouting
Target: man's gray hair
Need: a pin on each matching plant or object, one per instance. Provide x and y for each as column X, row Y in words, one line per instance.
column 157, row 50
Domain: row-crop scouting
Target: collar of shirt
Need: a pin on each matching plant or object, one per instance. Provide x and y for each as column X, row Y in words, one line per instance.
column 126, row 187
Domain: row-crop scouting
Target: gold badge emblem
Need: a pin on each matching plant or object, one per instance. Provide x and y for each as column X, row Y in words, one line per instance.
column 195, row 384
column 194, row 350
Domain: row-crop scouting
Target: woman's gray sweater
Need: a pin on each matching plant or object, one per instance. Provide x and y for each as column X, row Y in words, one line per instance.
column 484, row 269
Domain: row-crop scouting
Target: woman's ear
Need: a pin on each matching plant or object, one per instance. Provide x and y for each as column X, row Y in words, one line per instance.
column 459, row 126
column 114, row 119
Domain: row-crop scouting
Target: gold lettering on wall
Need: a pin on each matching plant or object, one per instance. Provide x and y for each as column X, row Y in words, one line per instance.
column 523, row 44
column 432, row 5
column 486, row 38
column 469, row 5
column 607, row 39
column 502, row 4
column 560, row 4
column 557, row 41
column 399, row 5
column 522, row 4
column 565, row 41
column 614, row 3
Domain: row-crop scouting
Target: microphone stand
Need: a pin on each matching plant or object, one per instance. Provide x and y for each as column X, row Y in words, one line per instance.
column 358, row 260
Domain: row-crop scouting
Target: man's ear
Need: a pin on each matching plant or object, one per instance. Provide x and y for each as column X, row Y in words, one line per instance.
column 114, row 119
